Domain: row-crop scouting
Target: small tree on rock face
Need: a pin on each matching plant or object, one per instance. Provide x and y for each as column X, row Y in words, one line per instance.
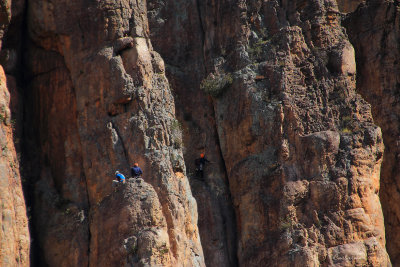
column 215, row 84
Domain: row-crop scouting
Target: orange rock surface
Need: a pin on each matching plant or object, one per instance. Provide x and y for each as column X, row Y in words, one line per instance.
column 101, row 102
column 14, row 234
column 374, row 31
column 267, row 90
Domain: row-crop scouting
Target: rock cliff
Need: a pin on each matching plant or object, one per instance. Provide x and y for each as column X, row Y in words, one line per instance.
column 298, row 145
column 14, row 234
column 100, row 101
column 374, row 32
column 277, row 95
column 178, row 32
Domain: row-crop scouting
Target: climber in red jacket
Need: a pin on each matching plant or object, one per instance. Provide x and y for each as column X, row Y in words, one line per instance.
column 200, row 163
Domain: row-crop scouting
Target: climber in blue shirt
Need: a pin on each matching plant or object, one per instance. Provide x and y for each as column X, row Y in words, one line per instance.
column 136, row 171
column 120, row 178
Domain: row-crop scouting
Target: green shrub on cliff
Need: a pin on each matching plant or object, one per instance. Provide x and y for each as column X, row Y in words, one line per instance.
column 176, row 134
column 256, row 50
column 215, row 84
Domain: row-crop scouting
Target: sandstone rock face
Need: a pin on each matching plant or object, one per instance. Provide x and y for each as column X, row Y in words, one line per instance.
column 179, row 31
column 100, row 101
column 266, row 89
column 144, row 235
column 304, row 140
column 14, row 235
column 299, row 146
column 374, row 31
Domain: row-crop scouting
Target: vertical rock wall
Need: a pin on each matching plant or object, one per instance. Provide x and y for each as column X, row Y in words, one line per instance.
column 14, row 234
column 302, row 154
column 374, row 31
column 299, row 146
column 100, row 101
column 265, row 88
column 180, row 31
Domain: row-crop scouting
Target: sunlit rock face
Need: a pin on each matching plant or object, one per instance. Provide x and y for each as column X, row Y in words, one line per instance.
column 297, row 144
column 373, row 30
column 100, row 102
column 268, row 90
column 14, row 234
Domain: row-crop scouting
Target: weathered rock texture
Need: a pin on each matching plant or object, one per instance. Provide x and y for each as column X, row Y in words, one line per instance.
column 302, row 154
column 299, row 146
column 100, row 101
column 14, row 234
column 374, row 31
column 144, row 235
column 178, row 31
column 266, row 89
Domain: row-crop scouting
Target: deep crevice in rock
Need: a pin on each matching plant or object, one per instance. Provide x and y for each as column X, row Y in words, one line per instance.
column 88, row 219
column 17, row 39
column 231, row 241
